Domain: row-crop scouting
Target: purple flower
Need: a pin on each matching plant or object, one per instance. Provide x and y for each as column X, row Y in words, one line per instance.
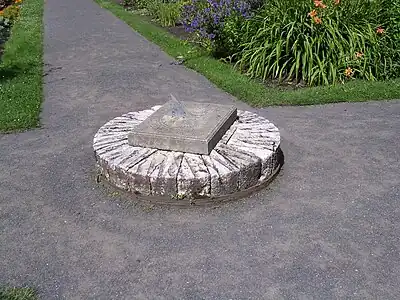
column 216, row 19
column 213, row 3
column 208, row 21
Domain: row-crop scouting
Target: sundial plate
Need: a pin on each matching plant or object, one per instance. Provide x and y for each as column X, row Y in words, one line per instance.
column 184, row 127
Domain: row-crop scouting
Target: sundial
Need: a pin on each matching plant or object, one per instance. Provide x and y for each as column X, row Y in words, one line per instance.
column 190, row 127
column 188, row 152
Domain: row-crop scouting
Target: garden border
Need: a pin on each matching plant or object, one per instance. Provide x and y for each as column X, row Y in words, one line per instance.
column 251, row 91
column 21, row 70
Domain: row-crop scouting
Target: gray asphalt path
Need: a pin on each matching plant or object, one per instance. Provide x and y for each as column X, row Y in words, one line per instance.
column 327, row 228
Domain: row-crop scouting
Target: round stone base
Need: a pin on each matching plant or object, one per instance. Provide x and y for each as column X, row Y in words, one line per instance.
column 247, row 156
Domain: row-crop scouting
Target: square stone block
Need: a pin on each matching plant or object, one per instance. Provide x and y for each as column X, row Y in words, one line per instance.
column 185, row 127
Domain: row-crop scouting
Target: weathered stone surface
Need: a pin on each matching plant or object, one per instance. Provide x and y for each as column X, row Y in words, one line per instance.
column 249, row 165
column 156, row 174
column 245, row 156
column 261, row 138
column 163, row 178
column 193, row 176
column 224, row 175
column 189, row 127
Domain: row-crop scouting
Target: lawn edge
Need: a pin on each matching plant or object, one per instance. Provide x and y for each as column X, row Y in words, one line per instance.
column 25, row 55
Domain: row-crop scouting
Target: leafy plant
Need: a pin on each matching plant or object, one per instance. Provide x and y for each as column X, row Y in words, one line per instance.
column 216, row 22
column 11, row 12
column 389, row 17
column 169, row 13
column 318, row 43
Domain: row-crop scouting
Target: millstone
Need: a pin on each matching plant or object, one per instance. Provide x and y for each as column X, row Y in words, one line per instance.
column 246, row 156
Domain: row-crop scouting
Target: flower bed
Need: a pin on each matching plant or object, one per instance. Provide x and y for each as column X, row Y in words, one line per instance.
column 308, row 42
column 254, row 91
column 321, row 43
column 9, row 12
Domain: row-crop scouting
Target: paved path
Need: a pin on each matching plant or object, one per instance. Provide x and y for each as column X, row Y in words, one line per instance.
column 328, row 227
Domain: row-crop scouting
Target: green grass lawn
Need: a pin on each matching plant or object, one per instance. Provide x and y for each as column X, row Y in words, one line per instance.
column 17, row 294
column 21, row 91
column 251, row 91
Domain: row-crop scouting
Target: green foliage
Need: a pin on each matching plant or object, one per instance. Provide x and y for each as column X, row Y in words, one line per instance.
column 230, row 38
column 166, row 13
column 389, row 17
column 216, row 24
column 253, row 92
column 335, row 43
column 17, row 294
column 169, row 13
column 11, row 12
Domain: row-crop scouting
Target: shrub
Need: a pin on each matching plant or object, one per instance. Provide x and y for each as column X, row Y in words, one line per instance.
column 217, row 23
column 11, row 12
column 319, row 43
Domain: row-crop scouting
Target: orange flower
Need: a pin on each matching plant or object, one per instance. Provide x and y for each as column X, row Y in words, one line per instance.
column 319, row 3
column 1, row 12
column 313, row 13
column 359, row 54
column 317, row 20
column 17, row 1
column 380, row 30
column 348, row 72
column 337, row 2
